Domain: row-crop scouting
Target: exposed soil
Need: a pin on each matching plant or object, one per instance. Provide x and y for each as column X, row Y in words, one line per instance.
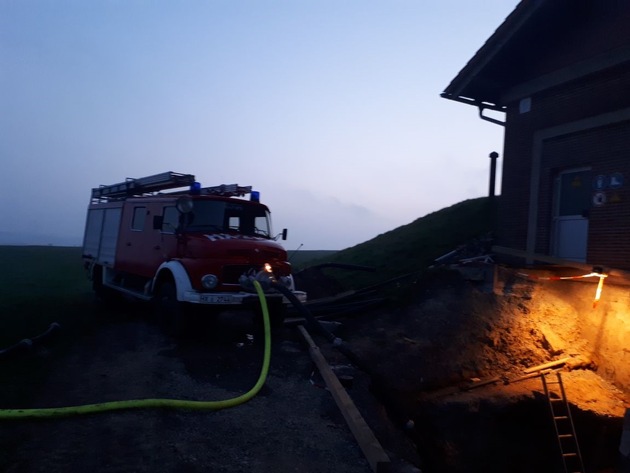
column 407, row 375
column 427, row 358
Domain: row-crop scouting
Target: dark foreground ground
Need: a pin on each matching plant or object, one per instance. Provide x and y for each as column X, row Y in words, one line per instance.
column 408, row 363
column 292, row 425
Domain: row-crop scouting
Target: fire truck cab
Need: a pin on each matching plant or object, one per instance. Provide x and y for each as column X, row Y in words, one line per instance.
column 197, row 247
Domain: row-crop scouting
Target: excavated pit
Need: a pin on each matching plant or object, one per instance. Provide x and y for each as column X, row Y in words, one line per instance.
column 428, row 361
column 515, row 436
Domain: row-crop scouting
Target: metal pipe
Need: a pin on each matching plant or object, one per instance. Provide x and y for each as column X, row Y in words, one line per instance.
column 493, row 173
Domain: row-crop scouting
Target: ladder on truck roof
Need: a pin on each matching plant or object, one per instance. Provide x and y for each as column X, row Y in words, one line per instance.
column 159, row 182
column 142, row 186
column 228, row 190
column 224, row 190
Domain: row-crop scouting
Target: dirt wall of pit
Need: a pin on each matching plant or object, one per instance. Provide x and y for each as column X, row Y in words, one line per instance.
column 605, row 328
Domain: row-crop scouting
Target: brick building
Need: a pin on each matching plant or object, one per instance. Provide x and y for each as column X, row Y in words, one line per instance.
column 560, row 72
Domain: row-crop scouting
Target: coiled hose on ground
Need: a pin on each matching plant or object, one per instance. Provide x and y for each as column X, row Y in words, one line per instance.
column 54, row 412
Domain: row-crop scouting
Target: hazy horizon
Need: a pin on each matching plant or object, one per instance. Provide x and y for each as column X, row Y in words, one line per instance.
column 332, row 110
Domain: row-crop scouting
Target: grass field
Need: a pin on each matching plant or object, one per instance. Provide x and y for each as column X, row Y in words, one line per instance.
column 39, row 286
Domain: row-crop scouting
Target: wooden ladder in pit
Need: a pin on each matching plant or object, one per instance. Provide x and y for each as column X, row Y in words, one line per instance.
column 563, row 423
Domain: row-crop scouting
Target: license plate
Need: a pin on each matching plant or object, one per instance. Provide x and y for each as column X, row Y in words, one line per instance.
column 216, row 299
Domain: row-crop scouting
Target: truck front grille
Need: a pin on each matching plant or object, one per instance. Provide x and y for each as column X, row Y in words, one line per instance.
column 231, row 273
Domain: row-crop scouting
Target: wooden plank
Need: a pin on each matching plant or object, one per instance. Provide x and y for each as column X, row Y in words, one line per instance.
column 543, row 258
column 483, row 382
column 544, row 366
column 374, row 453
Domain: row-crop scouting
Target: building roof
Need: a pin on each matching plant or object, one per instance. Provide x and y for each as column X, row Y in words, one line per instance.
column 504, row 58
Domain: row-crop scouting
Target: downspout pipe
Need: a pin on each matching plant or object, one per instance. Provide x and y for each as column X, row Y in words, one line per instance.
column 487, row 118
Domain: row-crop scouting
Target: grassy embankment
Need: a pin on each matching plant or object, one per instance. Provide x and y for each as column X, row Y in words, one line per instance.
column 412, row 248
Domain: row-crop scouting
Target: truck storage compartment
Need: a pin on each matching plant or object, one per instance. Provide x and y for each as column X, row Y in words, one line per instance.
column 101, row 234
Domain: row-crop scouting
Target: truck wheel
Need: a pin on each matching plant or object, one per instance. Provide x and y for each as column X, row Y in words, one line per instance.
column 172, row 315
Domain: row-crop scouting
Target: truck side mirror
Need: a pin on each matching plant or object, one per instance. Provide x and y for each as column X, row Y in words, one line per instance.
column 158, row 222
column 284, row 233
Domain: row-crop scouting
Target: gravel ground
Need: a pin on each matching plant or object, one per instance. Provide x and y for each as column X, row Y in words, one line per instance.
column 292, row 425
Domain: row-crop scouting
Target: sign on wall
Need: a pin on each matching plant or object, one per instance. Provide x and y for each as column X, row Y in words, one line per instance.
column 604, row 182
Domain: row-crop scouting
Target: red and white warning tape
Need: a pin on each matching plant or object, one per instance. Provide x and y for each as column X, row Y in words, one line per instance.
column 600, row 284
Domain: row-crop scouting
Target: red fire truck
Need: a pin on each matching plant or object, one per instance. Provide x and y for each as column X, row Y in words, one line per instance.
column 197, row 247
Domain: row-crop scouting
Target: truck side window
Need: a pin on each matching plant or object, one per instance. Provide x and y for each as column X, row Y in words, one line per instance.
column 139, row 214
column 262, row 226
column 170, row 220
column 233, row 223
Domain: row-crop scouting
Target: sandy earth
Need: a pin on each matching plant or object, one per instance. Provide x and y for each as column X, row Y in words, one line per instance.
column 456, row 333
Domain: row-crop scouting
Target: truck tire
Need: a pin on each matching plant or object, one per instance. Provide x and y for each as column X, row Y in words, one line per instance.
column 172, row 314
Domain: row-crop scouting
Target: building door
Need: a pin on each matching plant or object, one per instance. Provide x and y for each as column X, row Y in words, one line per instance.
column 571, row 209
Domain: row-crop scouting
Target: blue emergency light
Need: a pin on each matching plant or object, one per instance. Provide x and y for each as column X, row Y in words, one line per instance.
column 195, row 188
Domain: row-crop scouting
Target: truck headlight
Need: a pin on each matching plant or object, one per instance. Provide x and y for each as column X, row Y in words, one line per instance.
column 209, row 281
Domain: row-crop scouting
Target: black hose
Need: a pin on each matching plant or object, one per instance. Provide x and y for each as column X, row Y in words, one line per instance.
column 354, row 267
column 28, row 343
column 313, row 322
column 21, row 346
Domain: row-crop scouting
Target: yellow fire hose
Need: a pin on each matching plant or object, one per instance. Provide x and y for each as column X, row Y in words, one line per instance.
column 51, row 412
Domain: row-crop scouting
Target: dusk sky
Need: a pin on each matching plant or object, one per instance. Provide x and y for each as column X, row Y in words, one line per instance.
column 330, row 108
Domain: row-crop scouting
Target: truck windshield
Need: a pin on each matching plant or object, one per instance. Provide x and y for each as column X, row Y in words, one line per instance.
column 228, row 217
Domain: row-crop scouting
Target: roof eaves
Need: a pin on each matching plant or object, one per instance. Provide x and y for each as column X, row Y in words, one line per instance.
column 493, row 45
